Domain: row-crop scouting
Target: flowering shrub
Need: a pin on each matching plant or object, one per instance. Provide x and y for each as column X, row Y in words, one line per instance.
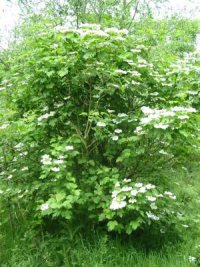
column 135, row 204
column 93, row 122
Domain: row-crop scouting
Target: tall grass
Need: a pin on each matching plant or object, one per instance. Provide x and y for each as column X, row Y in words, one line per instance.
column 97, row 250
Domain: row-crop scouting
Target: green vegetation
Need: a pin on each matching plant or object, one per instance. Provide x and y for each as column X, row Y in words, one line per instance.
column 99, row 141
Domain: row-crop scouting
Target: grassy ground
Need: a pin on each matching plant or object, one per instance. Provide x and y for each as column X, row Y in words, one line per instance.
column 98, row 251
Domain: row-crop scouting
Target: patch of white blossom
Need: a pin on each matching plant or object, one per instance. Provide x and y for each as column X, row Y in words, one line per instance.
column 46, row 160
column 155, row 115
column 101, row 124
column 44, row 207
column 46, row 116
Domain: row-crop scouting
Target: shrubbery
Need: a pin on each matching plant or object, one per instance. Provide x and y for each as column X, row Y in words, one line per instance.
column 93, row 123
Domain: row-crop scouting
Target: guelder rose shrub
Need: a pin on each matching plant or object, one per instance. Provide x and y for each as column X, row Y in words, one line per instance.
column 94, row 122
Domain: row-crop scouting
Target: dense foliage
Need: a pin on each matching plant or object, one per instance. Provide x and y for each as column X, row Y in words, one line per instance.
column 92, row 123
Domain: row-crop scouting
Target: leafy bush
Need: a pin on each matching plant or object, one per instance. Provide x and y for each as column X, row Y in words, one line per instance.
column 93, row 124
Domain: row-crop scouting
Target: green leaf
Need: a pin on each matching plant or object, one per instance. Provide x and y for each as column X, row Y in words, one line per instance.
column 63, row 72
column 112, row 225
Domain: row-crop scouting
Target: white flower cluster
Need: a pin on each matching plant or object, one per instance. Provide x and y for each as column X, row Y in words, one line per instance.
column 135, row 50
column 4, row 126
column 122, row 115
column 47, row 160
column 119, row 202
column 139, row 130
column 69, row 148
column 126, row 193
column 91, row 29
column 44, row 207
column 160, row 78
column 192, row 259
column 46, row 116
column 142, row 63
column 170, row 194
column 131, row 72
column 85, row 32
column 156, row 114
column 152, row 216
column 25, row 169
column 19, row 146
column 184, row 109
column 115, row 137
column 101, row 124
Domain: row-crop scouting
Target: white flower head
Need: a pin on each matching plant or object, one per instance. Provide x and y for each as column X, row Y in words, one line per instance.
column 190, row 110
column 193, row 92
column 25, row 168
column 46, row 159
column 59, row 161
column 44, row 206
column 3, row 126
column 183, row 117
column 192, row 259
column 146, row 120
column 127, row 180
column 135, row 73
column 139, row 185
column 184, row 109
column 139, row 130
column 115, row 193
column 101, row 124
column 118, row 131
column 117, row 184
column 172, row 197
column 110, row 110
column 168, row 193
column 154, row 94
column 153, row 206
column 69, row 147
column 151, row 199
column 117, row 204
column 161, row 126
column 120, row 71
column 150, row 186
column 147, row 110
column 19, row 145
column 132, row 201
column 142, row 189
column 135, row 50
column 124, row 31
column 10, row 177
column 126, row 188
column 152, row 216
column 55, row 169
column 115, row 138
column 163, row 152
column 122, row 115
column 134, row 192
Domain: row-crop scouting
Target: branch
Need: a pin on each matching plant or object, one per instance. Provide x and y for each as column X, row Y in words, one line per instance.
column 134, row 14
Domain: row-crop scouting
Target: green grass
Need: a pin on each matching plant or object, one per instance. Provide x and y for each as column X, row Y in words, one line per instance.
column 97, row 251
